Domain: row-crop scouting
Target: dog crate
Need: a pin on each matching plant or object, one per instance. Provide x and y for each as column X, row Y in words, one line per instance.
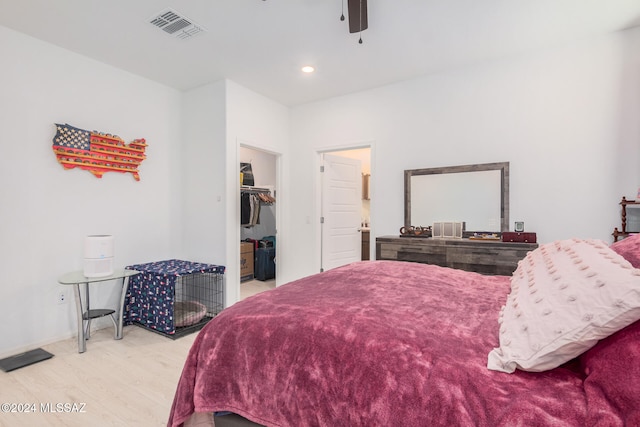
column 174, row 297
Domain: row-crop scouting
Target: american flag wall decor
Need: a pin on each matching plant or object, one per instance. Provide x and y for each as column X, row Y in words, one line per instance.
column 97, row 152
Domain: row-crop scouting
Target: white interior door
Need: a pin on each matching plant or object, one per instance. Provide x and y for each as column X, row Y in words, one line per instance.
column 341, row 211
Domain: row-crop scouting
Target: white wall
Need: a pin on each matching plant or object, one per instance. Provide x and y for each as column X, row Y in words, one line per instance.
column 45, row 211
column 204, row 154
column 566, row 119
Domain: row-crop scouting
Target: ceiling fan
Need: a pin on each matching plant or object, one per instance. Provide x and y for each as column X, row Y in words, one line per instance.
column 357, row 10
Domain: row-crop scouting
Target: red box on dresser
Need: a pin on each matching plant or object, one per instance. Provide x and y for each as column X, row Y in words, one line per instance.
column 521, row 237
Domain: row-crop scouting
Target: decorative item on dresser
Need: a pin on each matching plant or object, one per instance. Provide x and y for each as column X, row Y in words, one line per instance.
column 623, row 232
column 486, row 256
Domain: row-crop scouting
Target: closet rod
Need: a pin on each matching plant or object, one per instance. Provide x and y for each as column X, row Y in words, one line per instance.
column 255, row 190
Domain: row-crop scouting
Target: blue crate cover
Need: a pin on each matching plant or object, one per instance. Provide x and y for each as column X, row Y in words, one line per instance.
column 150, row 297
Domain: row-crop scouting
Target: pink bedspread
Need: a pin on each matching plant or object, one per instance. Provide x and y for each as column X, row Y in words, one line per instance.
column 372, row 343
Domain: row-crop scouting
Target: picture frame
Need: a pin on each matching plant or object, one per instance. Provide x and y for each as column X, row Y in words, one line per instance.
column 519, row 226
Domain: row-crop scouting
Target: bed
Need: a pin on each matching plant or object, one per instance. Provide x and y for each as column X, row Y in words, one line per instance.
column 381, row 343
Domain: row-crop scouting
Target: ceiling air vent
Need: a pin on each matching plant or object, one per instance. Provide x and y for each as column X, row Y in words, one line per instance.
column 176, row 24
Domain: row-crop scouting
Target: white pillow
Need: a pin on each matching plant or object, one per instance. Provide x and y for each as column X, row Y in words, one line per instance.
column 565, row 296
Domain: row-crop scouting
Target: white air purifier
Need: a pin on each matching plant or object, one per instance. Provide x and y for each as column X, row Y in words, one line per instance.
column 98, row 255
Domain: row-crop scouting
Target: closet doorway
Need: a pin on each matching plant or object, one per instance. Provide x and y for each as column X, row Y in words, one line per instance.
column 336, row 242
column 258, row 202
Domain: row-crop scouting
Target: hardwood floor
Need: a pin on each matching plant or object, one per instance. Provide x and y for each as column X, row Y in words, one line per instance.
column 128, row 382
column 253, row 287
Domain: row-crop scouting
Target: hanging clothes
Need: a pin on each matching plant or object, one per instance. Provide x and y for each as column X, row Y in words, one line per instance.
column 255, row 209
column 245, row 208
column 250, row 201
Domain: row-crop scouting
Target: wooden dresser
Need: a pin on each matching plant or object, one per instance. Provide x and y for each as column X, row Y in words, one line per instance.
column 482, row 256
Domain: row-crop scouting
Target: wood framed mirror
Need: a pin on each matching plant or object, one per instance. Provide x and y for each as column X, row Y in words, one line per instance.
column 476, row 195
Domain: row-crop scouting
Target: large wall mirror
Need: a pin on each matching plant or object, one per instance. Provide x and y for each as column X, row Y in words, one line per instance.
column 477, row 195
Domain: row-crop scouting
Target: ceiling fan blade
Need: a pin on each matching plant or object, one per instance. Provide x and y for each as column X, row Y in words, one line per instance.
column 357, row 15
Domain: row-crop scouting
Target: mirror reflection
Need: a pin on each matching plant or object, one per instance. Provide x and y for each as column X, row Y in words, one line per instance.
column 477, row 195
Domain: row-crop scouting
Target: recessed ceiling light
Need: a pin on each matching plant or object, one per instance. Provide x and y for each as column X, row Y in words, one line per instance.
column 308, row 69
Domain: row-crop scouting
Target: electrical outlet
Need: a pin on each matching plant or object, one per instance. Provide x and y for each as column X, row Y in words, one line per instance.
column 62, row 298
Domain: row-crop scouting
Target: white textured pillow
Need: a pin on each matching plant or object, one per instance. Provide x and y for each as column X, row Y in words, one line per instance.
column 565, row 296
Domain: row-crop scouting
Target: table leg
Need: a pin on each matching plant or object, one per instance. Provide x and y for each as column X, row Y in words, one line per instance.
column 82, row 345
column 123, row 294
column 87, row 330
